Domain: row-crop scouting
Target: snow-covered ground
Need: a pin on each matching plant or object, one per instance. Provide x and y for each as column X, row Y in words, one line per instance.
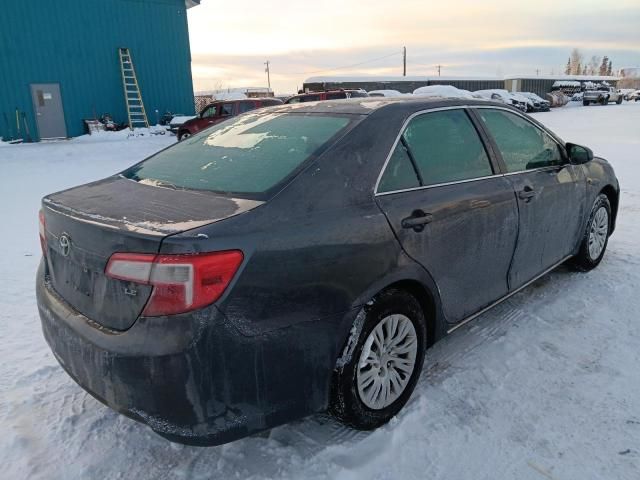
column 545, row 386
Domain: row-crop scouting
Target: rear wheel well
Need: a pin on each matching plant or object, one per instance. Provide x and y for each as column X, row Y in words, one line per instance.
column 426, row 301
column 610, row 192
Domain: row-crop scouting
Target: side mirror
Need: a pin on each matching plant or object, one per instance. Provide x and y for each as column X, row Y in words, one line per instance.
column 579, row 154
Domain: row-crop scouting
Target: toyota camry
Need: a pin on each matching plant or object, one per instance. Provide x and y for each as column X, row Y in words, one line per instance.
column 302, row 258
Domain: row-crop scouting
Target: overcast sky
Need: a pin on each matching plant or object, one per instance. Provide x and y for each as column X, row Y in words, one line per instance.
column 231, row 40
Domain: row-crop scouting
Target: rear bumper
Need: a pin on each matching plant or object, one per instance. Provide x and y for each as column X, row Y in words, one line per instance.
column 193, row 378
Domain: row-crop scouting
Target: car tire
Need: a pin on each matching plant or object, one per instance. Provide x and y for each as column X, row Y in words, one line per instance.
column 585, row 102
column 366, row 363
column 596, row 236
column 183, row 135
column 604, row 100
column 619, row 101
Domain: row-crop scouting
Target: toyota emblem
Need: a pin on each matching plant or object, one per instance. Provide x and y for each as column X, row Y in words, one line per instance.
column 65, row 244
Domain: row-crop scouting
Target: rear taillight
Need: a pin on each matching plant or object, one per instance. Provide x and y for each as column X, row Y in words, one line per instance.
column 43, row 235
column 181, row 283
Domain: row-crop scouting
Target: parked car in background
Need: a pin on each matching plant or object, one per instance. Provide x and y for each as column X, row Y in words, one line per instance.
column 302, row 259
column 504, row 96
column 602, row 95
column 443, row 91
column 385, row 93
column 538, row 104
column 635, row 96
column 177, row 121
column 220, row 111
column 326, row 95
column 626, row 92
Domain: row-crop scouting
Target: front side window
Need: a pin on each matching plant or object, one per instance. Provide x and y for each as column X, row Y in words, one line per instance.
column 246, row 156
column 523, row 145
column 210, row 111
column 336, row 95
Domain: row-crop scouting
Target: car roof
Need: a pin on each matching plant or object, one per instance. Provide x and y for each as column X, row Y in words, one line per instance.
column 368, row 105
column 234, row 100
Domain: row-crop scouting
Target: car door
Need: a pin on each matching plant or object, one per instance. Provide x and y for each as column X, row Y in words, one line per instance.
column 549, row 190
column 451, row 209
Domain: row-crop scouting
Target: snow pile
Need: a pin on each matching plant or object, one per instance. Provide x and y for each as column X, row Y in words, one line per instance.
column 545, row 386
column 446, row 91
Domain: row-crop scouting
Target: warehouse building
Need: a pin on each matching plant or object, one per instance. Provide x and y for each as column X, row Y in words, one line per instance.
column 60, row 62
column 540, row 85
column 402, row 84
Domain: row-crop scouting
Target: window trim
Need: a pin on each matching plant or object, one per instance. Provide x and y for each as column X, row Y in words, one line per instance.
column 481, row 136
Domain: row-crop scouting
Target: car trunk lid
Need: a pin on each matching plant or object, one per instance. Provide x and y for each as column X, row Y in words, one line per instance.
column 85, row 225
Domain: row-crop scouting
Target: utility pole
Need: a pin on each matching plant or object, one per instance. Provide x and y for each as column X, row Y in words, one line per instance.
column 439, row 69
column 404, row 61
column 268, row 74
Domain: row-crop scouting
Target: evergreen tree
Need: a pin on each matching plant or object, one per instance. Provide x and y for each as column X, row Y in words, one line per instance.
column 610, row 68
column 604, row 65
column 567, row 70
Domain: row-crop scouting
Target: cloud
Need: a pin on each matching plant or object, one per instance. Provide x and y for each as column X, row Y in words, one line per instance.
column 230, row 42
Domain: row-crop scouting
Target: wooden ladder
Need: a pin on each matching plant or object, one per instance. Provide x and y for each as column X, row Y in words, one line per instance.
column 135, row 108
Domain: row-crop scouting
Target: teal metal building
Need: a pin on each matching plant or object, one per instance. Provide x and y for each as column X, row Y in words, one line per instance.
column 59, row 62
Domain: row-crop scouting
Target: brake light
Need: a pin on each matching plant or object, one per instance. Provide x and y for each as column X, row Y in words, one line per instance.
column 42, row 231
column 181, row 283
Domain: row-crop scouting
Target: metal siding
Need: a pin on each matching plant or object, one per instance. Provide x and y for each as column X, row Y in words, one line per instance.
column 74, row 43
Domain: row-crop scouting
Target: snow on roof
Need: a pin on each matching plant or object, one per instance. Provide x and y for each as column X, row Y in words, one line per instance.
column 579, row 78
column 374, row 78
column 445, row 91
column 232, row 90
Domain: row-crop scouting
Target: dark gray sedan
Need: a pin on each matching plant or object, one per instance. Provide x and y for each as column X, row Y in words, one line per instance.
column 302, row 258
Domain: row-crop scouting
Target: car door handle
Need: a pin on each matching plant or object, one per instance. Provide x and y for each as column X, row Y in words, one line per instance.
column 417, row 220
column 527, row 193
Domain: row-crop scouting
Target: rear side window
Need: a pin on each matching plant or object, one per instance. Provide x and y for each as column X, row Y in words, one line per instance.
column 226, row 109
column 336, row 95
column 523, row 145
column 446, row 147
column 246, row 156
column 244, row 107
column 400, row 173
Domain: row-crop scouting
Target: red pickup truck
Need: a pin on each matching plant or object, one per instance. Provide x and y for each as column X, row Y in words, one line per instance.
column 221, row 110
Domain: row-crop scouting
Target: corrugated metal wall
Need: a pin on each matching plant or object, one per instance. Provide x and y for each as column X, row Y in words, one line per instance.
column 406, row 86
column 75, row 43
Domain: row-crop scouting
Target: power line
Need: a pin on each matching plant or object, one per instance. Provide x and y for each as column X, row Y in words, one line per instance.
column 347, row 66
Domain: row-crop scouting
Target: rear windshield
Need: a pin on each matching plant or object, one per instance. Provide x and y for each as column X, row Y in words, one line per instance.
column 246, row 156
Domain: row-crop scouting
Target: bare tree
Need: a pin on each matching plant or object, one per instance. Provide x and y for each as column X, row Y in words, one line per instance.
column 576, row 61
column 594, row 65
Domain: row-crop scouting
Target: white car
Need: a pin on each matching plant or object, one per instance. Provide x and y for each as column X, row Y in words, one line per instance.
column 635, row 96
column 504, row 96
column 445, row 91
column 385, row 93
